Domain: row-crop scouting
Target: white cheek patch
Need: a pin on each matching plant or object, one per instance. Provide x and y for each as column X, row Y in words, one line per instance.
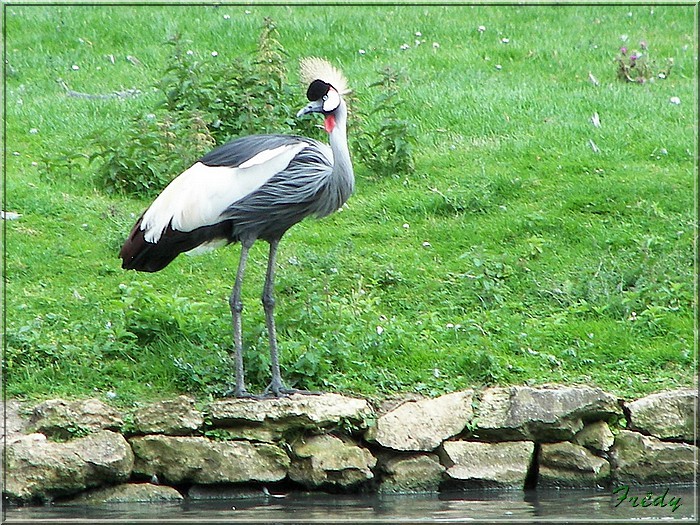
column 331, row 100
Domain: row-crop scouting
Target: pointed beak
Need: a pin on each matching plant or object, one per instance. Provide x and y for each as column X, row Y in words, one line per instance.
column 314, row 107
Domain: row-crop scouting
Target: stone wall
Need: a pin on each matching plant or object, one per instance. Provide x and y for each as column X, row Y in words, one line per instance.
column 504, row 437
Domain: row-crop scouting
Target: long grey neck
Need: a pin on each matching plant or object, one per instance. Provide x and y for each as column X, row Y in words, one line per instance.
column 342, row 174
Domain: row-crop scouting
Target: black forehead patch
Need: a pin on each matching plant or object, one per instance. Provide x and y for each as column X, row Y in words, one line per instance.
column 317, row 89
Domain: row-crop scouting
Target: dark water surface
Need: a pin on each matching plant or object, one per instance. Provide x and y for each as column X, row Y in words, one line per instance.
column 515, row 506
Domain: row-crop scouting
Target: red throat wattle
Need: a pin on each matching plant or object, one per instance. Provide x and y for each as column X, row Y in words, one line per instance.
column 329, row 123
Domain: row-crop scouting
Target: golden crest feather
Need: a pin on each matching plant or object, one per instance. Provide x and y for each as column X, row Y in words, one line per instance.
column 314, row 68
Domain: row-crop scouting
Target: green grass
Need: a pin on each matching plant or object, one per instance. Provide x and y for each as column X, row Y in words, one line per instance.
column 528, row 257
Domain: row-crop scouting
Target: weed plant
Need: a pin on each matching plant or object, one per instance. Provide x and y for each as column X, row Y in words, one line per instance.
column 543, row 228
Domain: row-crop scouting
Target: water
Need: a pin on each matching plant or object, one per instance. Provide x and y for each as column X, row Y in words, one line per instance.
column 514, row 506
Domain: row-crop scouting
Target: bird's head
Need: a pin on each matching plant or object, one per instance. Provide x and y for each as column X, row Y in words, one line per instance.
column 327, row 85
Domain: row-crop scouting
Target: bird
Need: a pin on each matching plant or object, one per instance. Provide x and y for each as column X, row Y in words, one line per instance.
column 253, row 188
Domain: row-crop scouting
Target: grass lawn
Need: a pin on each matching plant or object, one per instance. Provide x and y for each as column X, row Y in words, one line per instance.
column 547, row 233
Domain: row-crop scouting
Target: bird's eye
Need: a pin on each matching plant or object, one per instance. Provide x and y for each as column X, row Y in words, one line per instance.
column 325, row 97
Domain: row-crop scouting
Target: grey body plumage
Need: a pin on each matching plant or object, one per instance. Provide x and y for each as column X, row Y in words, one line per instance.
column 255, row 187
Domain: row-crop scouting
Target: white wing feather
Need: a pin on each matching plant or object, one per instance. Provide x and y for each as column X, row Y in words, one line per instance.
column 200, row 195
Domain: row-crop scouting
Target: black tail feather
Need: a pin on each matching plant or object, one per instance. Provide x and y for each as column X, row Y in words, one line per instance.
column 141, row 255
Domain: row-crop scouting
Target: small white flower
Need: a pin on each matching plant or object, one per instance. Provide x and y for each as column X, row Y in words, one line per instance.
column 362, row 51
column 435, row 45
column 624, row 38
column 426, row 244
column 481, row 29
column 35, row 163
column 404, row 47
column 418, row 33
column 189, row 52
column 499, row 67
column 417, row 42
column 214, row 54
column 505, row 40
column 436, row 372
column 380, row 330
column 247, row 11
column 33, row 131
column 662, row 76
column 111, row 395
column 406, row 226
column 75, row 67
column 675, row 100
column 227, row 17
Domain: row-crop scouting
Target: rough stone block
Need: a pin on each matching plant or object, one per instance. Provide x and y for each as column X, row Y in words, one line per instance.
column 69, row 419
column 488, row 465
column 544, row 414
column 639, row 459
column 568, row 465
column 423, row 425
column 329, row 460
column 596, row 437
column 128, row 493
column 666, row 415
column 297, row 411
column 41, row 469
column 177, row 459
column 416, row 473
column 174, row 417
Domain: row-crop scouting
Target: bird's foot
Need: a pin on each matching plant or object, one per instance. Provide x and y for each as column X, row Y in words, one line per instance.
column 279, row 390
column 240, row 393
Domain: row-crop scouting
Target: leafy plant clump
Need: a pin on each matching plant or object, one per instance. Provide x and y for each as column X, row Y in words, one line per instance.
column 159, row 144
column 206, row 101
column 386, row 148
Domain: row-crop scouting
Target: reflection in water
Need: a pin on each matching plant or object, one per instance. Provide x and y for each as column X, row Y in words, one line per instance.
column 455, row 507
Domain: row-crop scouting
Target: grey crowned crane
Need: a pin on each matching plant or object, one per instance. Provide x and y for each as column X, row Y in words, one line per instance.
column 254, row 187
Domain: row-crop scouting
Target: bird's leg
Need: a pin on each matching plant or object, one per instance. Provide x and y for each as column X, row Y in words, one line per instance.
column 276, row 386
column 236, row 308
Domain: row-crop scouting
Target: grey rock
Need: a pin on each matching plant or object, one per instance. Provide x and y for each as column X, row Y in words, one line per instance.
column 666, row 415
column 219, row 492
column 568, row 465
column 41, row 469
column 324, row 460
column 639, row 459
column 128, row 493
column 174, row 417
column 415, row 473
column 297, row 411
column 67, row 419
column 596, row 437
column 423, row 425
column 13, row 422
column 176, row 459
column 266, row 432
column 487, row 465
column 545, row 414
